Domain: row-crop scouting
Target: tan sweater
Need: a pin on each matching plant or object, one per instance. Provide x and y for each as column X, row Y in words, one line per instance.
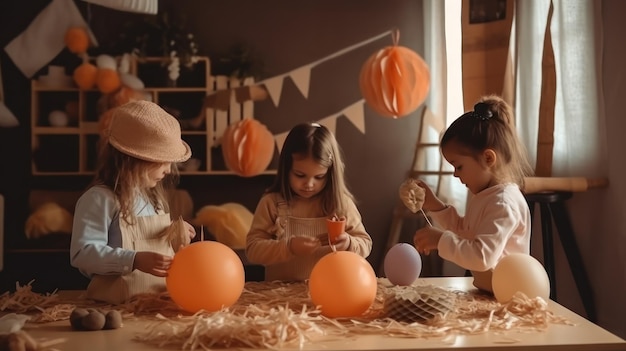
column 266, row 242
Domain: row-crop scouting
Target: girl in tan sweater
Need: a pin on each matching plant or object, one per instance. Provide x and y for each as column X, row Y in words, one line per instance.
column 288, row 233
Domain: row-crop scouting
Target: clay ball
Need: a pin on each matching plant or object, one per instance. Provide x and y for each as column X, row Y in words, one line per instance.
column 93, row 321
column 113, row 320
column 76, row 318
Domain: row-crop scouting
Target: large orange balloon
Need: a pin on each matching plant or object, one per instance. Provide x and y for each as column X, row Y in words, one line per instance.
column 394, row 81
column 247, row 147
column 343, row 284
column 205, row 275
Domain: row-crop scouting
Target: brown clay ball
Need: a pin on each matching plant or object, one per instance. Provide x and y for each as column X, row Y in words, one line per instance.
column 113, row 320
column 93, row 321
column 76, row 318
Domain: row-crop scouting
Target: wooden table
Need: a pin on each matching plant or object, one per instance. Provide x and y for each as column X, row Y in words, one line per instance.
column 583, row 336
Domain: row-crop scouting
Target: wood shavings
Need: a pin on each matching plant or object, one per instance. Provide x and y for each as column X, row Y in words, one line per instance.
column 277, row 315
column 25, row 300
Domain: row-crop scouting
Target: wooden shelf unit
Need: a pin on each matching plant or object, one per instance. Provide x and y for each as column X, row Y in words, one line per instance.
column 72, row 149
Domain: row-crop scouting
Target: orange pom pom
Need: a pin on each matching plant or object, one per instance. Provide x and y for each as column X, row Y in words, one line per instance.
column 108, row 80
column 394, row 81
column 85, row 75
column 77, row 40
column 247, row 147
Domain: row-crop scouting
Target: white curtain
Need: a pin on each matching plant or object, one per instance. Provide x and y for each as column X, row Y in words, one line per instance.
column 580, row 140
column 443, row 54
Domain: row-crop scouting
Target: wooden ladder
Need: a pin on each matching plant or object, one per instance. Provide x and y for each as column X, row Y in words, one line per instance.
column 424, row 148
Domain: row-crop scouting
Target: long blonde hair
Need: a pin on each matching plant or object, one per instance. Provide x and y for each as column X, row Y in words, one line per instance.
column 315, row 141
column 126, row 175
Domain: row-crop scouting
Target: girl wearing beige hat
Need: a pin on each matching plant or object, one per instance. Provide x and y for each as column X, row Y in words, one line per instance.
column 119, row 222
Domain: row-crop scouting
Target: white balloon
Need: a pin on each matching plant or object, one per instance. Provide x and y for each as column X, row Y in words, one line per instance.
column 58, row 118
column 520, row 273
column 106, row 61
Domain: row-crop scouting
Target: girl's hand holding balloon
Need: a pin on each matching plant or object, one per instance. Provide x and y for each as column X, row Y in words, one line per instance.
column 427, row 239
column 191, row 230
column 341, row 241
column 303, row 246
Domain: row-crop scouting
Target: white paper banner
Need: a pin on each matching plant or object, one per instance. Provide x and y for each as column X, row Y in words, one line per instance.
column 274, row 87
column 355, row 113
column 44, row 38
column 301, row 78
column 280, row 140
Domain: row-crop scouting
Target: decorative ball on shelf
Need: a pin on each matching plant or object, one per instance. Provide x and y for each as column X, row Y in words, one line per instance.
column 247, row 147
column 520, row 273
column 85, row 75
column 395, row 80
column 77, row 40
column 402, row 264
column 58, row 118
column 343, row 284
column 108, row 80
column 205, row 275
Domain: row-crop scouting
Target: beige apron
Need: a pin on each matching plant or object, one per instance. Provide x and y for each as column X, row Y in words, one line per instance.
column 300, row 267
column 145, row 235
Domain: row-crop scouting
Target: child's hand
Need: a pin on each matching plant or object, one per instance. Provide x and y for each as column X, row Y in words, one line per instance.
column 427, row 239
column 342, row 243
column 431, row 201
column 191, row 230
column 152, row 263
column 303, row 246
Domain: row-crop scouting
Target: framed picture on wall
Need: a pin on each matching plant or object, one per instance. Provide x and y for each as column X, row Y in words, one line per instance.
column 482, row 11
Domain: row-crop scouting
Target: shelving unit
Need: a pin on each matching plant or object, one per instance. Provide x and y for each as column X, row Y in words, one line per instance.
column 72, row 149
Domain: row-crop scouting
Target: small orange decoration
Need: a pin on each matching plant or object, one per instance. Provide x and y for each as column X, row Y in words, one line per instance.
column 247, row 147
column 343, row 284
column 205, row 275
column 394, row 81
column 77, row 40
column 108, row 80
column 85, row 75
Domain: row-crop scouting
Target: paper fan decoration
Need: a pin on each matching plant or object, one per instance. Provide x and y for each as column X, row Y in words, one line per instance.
column 395, row 80
column 417, row 303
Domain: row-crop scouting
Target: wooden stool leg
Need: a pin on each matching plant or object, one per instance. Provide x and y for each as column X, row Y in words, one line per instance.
column 548, row 247
column 394, row 238
column 568, row 240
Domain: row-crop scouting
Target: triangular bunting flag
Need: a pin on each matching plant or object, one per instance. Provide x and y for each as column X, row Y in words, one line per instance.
column 330, row 123
column 274, row 87
column 355, row 114
column 280, row 140
column 301, row 78
column 44, row 38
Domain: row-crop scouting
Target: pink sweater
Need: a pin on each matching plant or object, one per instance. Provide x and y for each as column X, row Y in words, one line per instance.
column 496, row 224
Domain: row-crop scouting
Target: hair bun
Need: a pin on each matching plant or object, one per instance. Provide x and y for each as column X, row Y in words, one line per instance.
column 482, row 111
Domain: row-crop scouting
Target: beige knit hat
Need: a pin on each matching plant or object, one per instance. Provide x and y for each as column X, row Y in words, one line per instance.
column 144, row 130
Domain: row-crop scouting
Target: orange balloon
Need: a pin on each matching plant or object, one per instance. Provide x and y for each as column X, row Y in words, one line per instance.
column 394, row 81
column 85, row 75
column 343, row 284
column 108, row 80
column 205, row 275
column 77, row 40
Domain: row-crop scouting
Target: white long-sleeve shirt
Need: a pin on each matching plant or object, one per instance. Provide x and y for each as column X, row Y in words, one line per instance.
column 96, row 245
column 496, row 224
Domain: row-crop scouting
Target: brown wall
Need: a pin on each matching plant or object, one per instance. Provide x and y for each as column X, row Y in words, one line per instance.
column 283, row 35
